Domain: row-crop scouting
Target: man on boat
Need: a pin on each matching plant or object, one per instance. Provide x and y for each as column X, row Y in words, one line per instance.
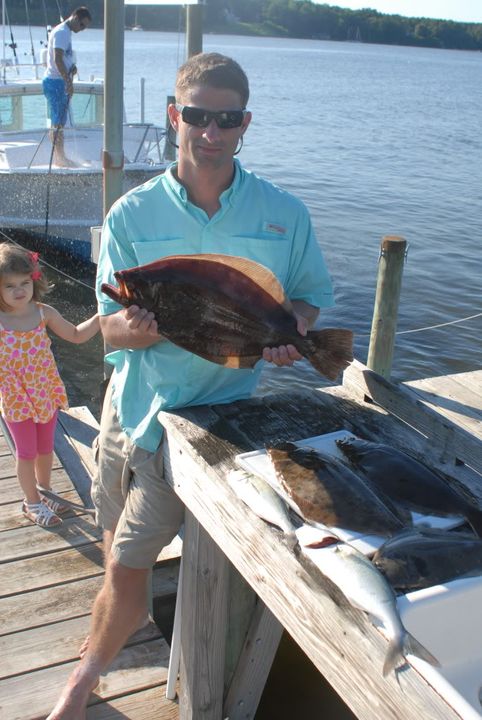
column 204, row 203
column 58, row 80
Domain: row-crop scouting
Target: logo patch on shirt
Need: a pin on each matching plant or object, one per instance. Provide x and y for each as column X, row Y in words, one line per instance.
column 274, row 228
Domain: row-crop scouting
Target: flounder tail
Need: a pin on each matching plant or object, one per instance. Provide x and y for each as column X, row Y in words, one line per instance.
column 331, row 350
column 398, row 649
column 113, row 293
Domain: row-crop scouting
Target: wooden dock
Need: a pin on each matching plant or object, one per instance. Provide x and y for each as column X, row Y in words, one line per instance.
column 48, row 581
column 49, row 578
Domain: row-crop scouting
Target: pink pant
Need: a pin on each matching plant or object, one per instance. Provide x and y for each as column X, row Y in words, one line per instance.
column 31, row 438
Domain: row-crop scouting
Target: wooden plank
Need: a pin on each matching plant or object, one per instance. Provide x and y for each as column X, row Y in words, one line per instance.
column 75, row 433
column 337, row 638
column 11, row 516
column 457, row 401
column 10, row 490
column 146, row 705
column 32, row 696
column 48, row 605
column 33, row 541
column 204, row 614
column 254, row 665
column 452, row 443
column 53, row 644
column 48, row 570
column 82, row 428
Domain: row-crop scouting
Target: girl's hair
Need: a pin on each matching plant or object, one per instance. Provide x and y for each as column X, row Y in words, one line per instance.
column 17, row 261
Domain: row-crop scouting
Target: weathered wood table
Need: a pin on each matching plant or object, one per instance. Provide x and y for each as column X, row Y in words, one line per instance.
column 242, row 583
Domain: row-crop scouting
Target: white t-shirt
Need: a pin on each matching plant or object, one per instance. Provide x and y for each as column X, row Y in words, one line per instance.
column 60, row 38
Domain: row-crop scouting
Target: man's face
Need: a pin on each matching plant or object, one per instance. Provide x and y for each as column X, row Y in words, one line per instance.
column 77, row 25
column 209, row 146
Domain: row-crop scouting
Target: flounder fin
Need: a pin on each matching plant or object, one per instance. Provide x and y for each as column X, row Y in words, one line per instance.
column 331, row 350
column 232, row 361
column 258, row 273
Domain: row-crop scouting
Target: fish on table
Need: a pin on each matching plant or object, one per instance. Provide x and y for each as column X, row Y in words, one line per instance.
column 408, row 481
column 266, row 503
column 421, row 557
column 365, row 588
column 326, row 491
column 226, row 309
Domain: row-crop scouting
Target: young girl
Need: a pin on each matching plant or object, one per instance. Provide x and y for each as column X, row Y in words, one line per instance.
column 31, row 391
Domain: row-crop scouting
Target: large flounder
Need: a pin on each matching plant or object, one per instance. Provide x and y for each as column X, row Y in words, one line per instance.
column 326, row 491
column 226, row 309
column 408, row 481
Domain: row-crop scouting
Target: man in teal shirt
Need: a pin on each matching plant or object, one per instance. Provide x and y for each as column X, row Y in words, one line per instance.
column 204, row 203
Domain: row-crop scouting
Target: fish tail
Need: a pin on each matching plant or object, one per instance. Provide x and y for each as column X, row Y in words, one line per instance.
column 331, row 350
column 399, row 648
column 112, row 292
column 474, row 516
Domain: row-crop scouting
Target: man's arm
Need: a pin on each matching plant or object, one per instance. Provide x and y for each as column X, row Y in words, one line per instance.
column 132, row 328
column 59, row 61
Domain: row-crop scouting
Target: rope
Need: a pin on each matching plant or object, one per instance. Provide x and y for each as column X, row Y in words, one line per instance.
column 52, row 267
column 433, row 327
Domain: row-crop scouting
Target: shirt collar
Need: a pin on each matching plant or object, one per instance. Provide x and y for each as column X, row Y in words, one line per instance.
column 181, row 192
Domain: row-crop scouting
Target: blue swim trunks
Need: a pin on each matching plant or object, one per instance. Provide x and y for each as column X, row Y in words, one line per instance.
column 57, row 99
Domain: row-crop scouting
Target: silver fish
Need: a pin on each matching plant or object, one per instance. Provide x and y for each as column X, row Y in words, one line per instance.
column 265, row 502
column 258, row 495
column 365, row 588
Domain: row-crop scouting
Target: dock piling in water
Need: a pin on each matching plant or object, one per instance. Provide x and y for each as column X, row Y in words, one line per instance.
column 385, row 311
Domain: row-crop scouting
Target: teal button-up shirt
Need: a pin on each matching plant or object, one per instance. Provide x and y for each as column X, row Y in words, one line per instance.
column 256, row 220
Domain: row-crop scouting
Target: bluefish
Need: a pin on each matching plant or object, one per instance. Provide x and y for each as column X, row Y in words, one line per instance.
column 365, row 588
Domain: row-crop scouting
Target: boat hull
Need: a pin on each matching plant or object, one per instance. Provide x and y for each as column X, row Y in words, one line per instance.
column 61, row 205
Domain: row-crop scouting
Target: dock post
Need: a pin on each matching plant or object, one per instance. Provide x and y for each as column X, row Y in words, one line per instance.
column 169, row 147
column 385, row 312
column 194, row 29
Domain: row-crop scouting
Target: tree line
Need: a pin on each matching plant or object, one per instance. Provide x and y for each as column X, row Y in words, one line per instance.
column 279, row 18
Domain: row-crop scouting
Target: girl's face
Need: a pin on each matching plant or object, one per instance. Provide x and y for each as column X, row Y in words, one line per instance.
column 16, row 290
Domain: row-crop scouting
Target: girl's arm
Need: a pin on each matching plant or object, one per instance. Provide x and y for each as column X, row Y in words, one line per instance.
column 68, row 331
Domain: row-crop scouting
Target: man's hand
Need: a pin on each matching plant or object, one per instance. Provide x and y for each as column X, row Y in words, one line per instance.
column 141, row 321
column 286, row 355
column 132, row 328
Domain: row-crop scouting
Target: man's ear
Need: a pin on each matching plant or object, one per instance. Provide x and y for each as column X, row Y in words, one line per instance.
column 173, row 116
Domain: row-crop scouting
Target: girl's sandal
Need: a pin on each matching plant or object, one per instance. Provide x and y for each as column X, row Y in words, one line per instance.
column 40, row 514
column 57, row 507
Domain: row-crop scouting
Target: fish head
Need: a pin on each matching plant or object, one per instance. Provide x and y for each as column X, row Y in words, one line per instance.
column 134, row 288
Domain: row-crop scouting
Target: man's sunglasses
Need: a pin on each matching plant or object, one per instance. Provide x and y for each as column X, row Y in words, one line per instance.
column 225, row 119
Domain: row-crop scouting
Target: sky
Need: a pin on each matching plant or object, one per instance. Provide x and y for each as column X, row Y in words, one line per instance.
column 460, row 10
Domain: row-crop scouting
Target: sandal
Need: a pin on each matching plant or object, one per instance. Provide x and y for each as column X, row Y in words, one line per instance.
column 40, row 514
column 57, row 507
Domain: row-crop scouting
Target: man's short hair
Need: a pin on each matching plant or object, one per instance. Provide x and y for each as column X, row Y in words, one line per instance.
column 214, row 70
column 82, row 13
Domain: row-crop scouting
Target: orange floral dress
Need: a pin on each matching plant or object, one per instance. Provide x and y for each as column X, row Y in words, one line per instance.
column 30, row 384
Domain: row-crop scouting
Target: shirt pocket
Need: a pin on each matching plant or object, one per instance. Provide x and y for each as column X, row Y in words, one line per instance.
column 147, row 252
column 273, row 253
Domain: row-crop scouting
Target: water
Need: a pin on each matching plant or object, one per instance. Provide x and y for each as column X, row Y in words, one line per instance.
column 377, row 140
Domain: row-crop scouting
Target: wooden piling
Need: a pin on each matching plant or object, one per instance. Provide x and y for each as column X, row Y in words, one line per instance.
column 385, row 312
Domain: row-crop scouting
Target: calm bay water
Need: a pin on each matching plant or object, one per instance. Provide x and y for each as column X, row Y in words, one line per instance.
column 377, row 140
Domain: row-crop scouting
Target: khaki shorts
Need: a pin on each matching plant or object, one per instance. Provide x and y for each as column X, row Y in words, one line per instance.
column 131, row 496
